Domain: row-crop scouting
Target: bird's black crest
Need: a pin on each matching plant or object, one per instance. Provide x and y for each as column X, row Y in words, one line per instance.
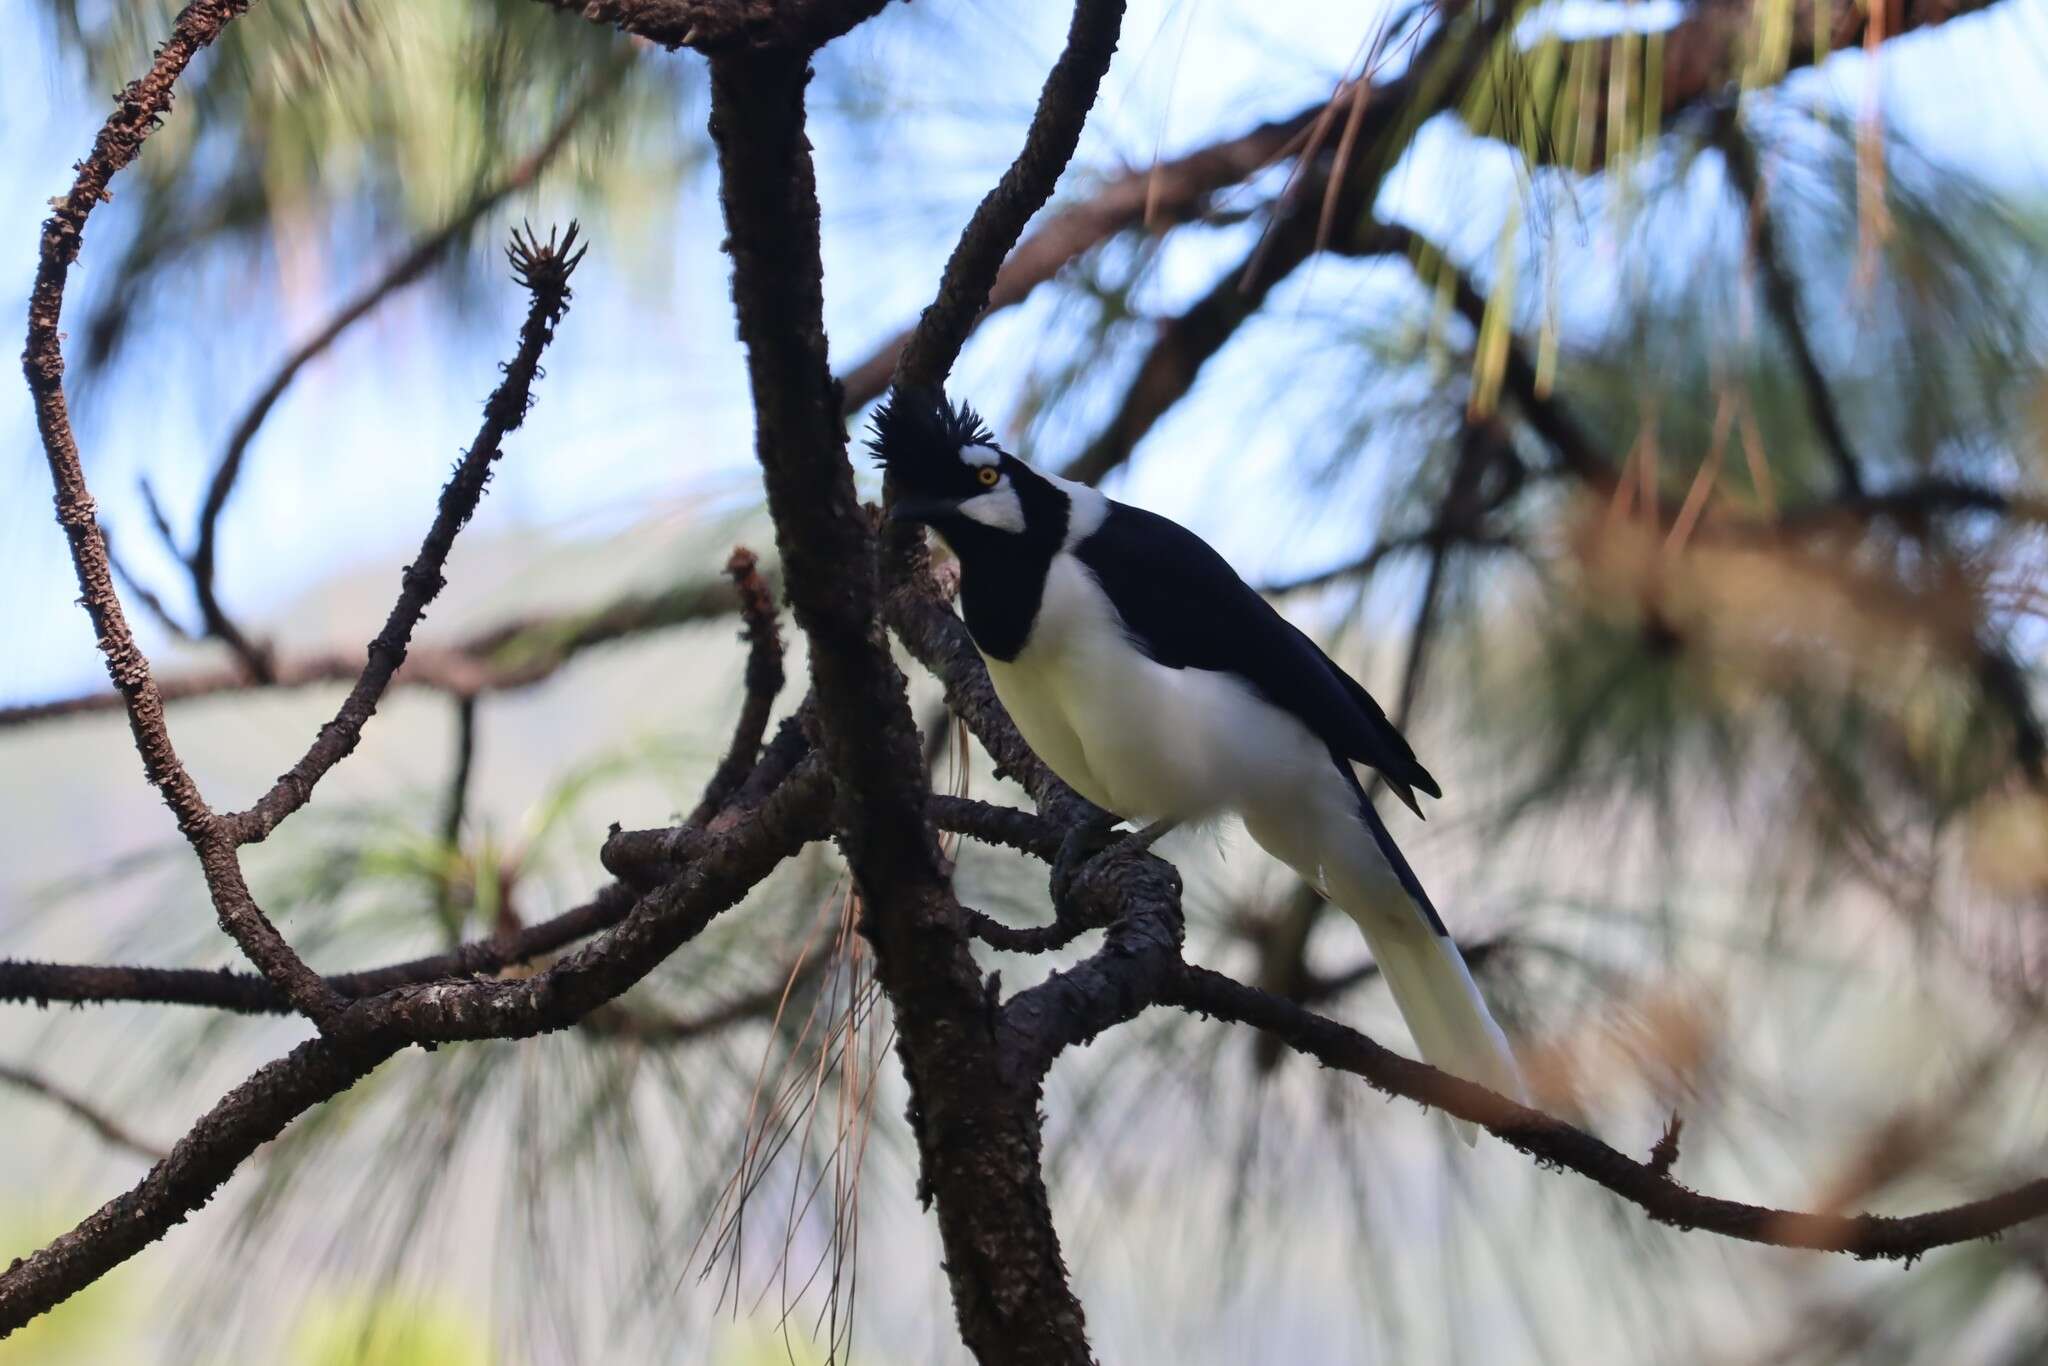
column 918, row 434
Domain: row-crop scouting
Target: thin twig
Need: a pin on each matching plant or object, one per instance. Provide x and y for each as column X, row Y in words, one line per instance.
column 544, row 269
column 1781, row 296
column 502, row 658
column 764, row 680
column 999, row 220
column 641, row 1026
column 1364, row 566
column 111, row 1131
column 454, row 812
column 143, row 594
column 457, row 806
column 1153, row 198
column 411, row 266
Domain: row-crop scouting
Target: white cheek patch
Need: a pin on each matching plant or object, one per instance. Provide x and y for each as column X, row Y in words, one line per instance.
column 980, row 455
column 998, row 508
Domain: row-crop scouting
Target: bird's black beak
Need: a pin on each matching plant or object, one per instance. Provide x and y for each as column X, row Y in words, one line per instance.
column 925, row 511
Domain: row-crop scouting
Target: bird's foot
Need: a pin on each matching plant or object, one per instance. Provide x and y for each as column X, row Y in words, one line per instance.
column 1079, row 847
column 1086, row 844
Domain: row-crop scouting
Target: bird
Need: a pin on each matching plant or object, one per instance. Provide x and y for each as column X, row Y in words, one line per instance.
column 1158, row 684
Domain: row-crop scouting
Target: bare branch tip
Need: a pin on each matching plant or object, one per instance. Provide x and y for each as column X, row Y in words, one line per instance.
column 1664, row 1155
column 543, row 269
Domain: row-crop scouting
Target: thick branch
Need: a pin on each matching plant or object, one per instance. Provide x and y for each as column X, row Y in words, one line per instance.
column 978, row 1138
column 431, row 1012
column 713, row 26
column 1139, row 958
column 246, row 993
column 246, row 1118
column 1552, row 1142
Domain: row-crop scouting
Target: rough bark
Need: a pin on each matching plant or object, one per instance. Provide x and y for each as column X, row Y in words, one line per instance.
column 978, row 1138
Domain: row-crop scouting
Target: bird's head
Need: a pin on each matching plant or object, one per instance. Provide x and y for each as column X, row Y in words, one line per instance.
column 946, row 470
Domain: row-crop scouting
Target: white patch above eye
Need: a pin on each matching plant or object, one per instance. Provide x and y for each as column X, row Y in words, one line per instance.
column 981, row 455
column 999, row 508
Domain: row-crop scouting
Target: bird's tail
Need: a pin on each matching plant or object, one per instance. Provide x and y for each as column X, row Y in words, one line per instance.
column 1434, row 990
column 1436, row 995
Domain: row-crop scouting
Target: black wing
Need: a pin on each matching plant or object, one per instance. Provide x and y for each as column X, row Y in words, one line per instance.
column 1186, row 607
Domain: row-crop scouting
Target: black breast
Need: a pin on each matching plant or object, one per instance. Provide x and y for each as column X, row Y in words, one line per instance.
column 999, row 596
column 1002, row 573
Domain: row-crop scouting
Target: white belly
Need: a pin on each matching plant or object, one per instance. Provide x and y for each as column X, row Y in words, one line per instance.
column 1140, row 739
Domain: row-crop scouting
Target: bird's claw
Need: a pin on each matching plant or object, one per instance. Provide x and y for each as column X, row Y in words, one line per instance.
column 1085, row 844
column 1078, row 848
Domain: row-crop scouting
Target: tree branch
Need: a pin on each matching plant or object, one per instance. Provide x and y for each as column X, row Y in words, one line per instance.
column 1781, row 296
column 978, row 1138
column 1999, row 676
column 456, row 809
column 639, row 1026
column 246, row 993
column 1699, row 56
column 1552, row 1142
column 110, row 1130
column 937, row 639
column 502, row 658
column 736, row 26
column 1048, row 146
column 1702, row 54
column 139, row 110
column 246, row 1118
column 1363, row 566
column 414, row 264
column 1139, row 896
column 1169, row 193
column 1340, row 188
column 434, row 1011
column 764, row 680
column 545, row 270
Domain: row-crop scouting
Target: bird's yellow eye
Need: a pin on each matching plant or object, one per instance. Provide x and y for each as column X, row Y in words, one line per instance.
column 988, row 476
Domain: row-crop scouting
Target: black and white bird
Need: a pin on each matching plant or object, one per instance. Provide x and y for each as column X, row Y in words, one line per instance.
column 1159, row 685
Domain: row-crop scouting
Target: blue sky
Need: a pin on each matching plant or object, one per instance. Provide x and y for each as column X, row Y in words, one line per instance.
column 645, row 403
